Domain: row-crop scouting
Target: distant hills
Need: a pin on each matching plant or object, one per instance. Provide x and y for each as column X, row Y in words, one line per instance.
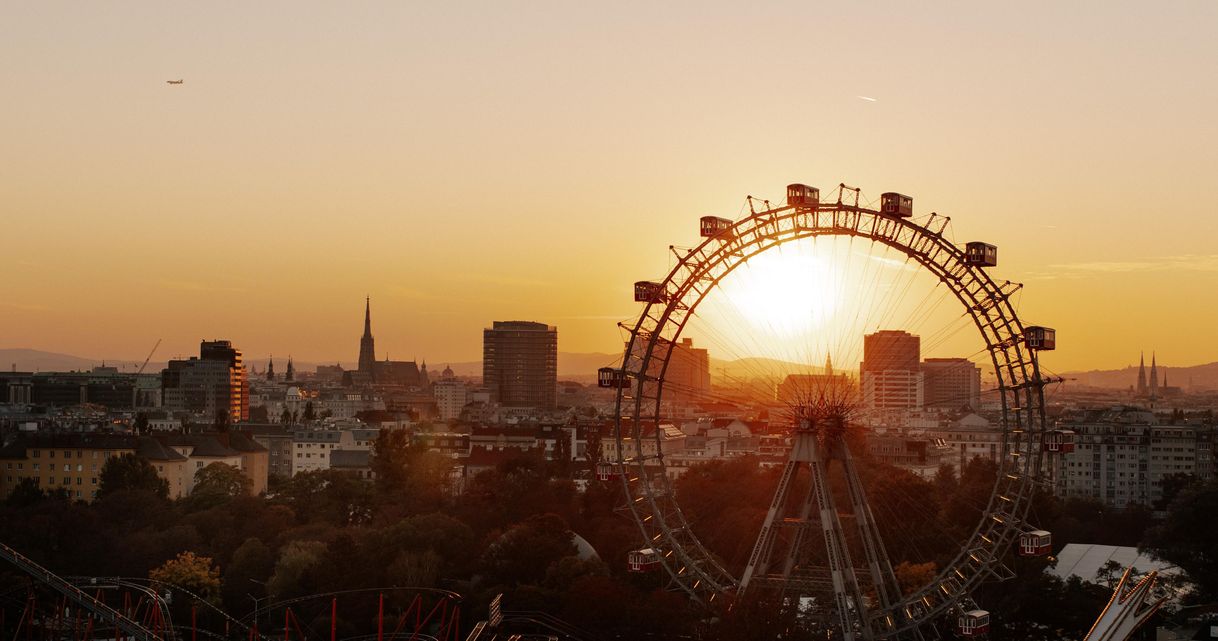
column 570, row 364
column 583, row 365
column 1195, row 377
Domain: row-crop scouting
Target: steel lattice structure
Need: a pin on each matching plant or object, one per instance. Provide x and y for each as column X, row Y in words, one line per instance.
column 700, row 270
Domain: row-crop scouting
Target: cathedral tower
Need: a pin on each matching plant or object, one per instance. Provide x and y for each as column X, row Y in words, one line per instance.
column 367, row 350
column 1142, row 375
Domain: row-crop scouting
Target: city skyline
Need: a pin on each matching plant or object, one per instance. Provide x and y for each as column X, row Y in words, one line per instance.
column 359, row 153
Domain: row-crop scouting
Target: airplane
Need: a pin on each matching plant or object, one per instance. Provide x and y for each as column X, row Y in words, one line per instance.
column 174, row 82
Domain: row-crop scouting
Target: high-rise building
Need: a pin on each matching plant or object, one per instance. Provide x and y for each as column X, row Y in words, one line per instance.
column 890, row 375
column 688, row 375
column 520, row 363
column 951, row 384
column 214, row 381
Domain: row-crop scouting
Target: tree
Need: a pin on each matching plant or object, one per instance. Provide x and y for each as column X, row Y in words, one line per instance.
column 195, row 574
column 140, row 427
column 524, row 554
column 222, row 419
column 297, row 560
column 130, row 472
column 309, row 414
column 409, row 474
column 219, row 482
column 25, row 493
column 1186, row 537
column 251, row 565
column 286, row 416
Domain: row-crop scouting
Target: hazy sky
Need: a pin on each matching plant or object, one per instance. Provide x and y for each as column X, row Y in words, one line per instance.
column 464, row 162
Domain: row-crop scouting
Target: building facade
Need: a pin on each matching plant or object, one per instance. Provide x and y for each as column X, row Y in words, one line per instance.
column 951, row 384
column 1123, row 456
column 890, row 374
column 214, row 381
column 520, row 364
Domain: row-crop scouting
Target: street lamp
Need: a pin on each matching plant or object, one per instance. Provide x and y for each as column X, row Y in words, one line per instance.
column 257, row 600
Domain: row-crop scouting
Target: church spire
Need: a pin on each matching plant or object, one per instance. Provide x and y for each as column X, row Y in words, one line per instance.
column 1142, row 374
column 291, row 373
column 368, row 316
column 1154, row 376
column 367, row 347
column 828, row 365
column 270, row 369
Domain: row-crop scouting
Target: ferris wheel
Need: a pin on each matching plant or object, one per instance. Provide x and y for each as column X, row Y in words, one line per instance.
column 852, row 568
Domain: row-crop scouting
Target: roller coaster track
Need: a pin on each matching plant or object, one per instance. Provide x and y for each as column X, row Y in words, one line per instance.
column 99, row 610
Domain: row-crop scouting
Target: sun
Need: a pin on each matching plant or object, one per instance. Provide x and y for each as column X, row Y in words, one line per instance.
column 779, row 303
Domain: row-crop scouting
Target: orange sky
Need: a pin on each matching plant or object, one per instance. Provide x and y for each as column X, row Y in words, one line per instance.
column 465, row 162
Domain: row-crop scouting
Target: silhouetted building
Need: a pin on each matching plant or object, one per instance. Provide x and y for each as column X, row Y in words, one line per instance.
column 520, row 363
column 688, row 375
column 367, row 346
column 386, row 372
column 214, row 381
column 890, row 375
column 951, row 383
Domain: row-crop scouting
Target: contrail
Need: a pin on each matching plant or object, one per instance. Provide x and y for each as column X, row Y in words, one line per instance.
column 867, row 98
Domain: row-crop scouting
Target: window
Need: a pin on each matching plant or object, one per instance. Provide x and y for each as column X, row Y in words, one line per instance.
column 67, row 454
column 36, row 465
column 80, row 467
column 93, row 481
column 67, row 467
column 50, row 453
column 51, row 481
column 37, row 453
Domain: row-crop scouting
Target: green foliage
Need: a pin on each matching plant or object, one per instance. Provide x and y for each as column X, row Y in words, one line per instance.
column 250, row 567
column 25, row 493
column 332, row 496
column 293, row 569
column 193, row 573
column 219, row 482
column 411, row 476
column 130, row 472
column 1186, row 537
column 525, row 552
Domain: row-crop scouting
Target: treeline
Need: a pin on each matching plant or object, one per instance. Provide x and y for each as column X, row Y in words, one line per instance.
column 511, row 531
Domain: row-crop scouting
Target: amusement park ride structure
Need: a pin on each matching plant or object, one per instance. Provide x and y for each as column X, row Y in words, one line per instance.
column 866, row 607
column 866, row 603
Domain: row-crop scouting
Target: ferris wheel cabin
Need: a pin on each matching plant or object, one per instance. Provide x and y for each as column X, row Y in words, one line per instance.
column 803, row 197
column 973, row 623
column 611, row 377
column 644, row 560
column 1059, row 441
column 1038, row 337
column 1035, row 543
column 649, row 292
column 894, row 204
column 714, row 226
column 981, row 254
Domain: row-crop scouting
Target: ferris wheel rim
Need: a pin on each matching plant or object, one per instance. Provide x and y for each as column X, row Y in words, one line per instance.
column 1018, row 381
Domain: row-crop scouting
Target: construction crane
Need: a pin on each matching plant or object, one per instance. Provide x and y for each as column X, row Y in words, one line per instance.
column 135, row 382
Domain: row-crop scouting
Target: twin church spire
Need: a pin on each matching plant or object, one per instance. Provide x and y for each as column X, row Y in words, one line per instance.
column 1149, row 387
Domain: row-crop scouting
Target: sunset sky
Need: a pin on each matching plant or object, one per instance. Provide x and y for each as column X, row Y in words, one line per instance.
column 465, row 162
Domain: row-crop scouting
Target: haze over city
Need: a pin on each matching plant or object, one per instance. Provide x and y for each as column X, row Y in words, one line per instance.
column 493, row 160
column 554, row 321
